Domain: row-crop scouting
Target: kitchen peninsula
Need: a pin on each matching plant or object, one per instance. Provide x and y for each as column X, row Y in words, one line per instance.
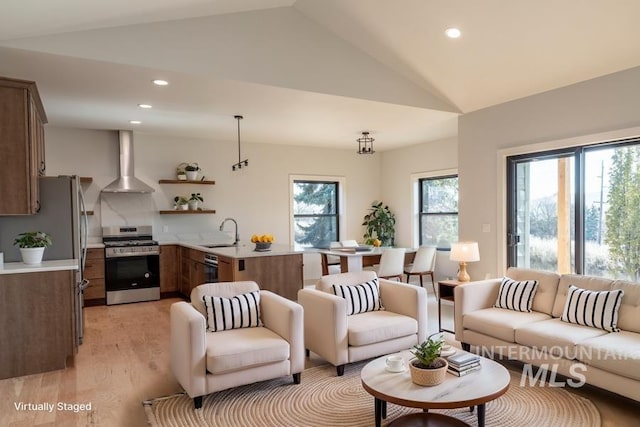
column 278, row 270
column 39, row 311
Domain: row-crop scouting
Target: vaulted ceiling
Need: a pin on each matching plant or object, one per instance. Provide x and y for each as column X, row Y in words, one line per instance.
column 306, row 72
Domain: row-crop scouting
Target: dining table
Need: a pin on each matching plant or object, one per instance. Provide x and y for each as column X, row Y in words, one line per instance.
column 355, row 259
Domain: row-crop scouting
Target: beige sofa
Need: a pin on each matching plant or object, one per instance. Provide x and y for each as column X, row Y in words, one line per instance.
column 342, row 339
column 609, row 360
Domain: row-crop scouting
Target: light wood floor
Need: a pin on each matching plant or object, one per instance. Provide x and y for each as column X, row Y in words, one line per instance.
column 125, row 360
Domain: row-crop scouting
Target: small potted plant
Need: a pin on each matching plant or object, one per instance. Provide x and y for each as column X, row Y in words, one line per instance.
column 180, row 203
column 194, row 200
column 181, row 174
column 428, row 368
column 32, row 246
column 192, row 171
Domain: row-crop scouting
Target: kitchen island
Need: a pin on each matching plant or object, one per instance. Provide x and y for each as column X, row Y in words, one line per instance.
column 278, row 270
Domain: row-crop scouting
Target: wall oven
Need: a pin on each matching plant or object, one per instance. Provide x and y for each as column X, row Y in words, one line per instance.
column 132, row 264
column 210, row 268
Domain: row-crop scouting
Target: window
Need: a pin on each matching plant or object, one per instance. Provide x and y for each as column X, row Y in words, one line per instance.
column 315, row 213
column 438, row 211
column 576, row 210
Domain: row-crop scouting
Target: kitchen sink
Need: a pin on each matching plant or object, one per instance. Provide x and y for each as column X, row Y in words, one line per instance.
column 220, row 245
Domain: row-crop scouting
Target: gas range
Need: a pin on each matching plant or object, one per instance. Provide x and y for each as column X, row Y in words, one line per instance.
column 129, row 241
column 132, row 270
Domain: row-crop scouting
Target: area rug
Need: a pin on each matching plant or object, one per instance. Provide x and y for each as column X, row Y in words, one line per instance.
column 323, row 399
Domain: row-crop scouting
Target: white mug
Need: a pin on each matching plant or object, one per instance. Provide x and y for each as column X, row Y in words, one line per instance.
column 395, row 363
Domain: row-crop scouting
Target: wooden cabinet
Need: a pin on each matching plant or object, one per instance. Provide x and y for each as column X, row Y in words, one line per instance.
column 191, row 270
column 225, row 269
column 22, row 120
column 281, row 274
column 37, row 311
column 169, row 269
column 95, row 294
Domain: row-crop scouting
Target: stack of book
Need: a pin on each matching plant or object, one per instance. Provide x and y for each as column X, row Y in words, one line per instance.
column 463, row 363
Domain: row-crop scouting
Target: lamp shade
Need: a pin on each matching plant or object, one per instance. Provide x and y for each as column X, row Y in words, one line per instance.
column 465, row 252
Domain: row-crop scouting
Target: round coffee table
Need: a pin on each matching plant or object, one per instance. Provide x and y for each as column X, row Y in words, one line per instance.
column 474, row 389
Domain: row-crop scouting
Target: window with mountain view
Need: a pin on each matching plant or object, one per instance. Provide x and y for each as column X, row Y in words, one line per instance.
column 315, row 213
column 577, row 210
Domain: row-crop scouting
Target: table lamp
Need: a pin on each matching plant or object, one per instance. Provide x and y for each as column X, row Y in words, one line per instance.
column 464, row 252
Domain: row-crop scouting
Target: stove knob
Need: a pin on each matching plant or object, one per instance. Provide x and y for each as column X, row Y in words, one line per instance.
column 147, row 275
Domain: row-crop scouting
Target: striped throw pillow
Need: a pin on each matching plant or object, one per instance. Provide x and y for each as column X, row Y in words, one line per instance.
column 598, row 309
column 516, row 295
column 360, row 298
column 240, row 311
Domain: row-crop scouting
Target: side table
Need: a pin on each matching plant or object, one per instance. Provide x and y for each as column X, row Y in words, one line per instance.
column 445, row 292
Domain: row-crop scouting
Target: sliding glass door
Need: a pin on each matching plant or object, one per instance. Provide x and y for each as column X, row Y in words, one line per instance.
column 576, row 210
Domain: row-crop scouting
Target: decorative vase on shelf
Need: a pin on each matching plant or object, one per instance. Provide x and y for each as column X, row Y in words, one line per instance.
column 192, row 175
column 193, row 205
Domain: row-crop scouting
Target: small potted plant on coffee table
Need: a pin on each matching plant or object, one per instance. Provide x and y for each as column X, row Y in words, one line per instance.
column 32, row 246
column 428, row 368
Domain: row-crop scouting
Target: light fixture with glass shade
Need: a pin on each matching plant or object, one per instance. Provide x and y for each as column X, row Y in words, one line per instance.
column 365, row 144
column 464, row 252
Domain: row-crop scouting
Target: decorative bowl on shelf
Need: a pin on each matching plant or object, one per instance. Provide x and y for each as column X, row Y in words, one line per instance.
column 263, row 247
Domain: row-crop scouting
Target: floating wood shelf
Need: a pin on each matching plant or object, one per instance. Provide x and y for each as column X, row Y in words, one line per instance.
column 184, row 181
column 174, row 212
column 86, row 179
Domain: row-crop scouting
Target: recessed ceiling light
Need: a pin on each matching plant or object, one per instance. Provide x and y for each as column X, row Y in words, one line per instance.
column 453, row 33
column 145, row 106
column 160, row 82
column 135, row 122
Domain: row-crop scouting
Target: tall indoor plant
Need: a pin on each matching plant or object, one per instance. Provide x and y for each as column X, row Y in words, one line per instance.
column 380, row 224
column 32, row 244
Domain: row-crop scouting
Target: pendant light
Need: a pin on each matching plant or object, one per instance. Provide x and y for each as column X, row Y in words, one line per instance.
column 244, row 162
column 365, row 144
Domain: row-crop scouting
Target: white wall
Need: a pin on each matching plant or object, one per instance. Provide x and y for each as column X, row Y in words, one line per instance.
column 257, row 196
column 606, row 104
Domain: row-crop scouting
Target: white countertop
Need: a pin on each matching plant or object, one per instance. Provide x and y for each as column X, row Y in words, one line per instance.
column 21, row 267
column 243, row 250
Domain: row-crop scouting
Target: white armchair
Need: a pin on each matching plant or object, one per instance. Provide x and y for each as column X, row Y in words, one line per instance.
column 342, row 339
column 205, row 362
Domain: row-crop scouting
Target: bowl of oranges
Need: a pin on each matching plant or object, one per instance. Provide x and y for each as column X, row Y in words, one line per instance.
column 263, row 242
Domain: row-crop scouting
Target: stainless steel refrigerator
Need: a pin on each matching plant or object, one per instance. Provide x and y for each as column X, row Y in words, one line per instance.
column 62, row 216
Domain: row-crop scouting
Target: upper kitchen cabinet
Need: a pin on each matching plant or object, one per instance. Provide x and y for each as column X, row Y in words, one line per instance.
column 22, row 120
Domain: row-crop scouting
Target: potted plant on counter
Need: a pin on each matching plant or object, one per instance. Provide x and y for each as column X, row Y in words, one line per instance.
column 194, row 200
column 192, row 171
column 428, row 368
column 32, row 246
column 180, row 203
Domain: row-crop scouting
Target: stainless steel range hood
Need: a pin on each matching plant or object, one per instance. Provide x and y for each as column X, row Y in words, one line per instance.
column 127, row 182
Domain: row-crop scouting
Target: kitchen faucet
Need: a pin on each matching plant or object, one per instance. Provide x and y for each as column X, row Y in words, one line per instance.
column 237, row 235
